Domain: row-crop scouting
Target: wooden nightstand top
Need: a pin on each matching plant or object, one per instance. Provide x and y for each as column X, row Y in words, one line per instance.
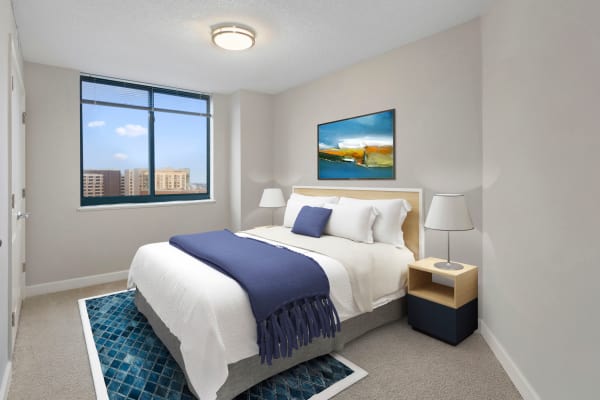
column 420, row 283
column 427, row 264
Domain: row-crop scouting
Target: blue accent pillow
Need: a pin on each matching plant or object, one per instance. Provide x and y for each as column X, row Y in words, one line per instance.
column 311, row 221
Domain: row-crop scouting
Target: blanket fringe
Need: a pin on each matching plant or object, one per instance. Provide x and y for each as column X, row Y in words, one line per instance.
column 295, row 325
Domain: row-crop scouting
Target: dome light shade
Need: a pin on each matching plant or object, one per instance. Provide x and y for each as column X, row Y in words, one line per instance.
column 233, row 37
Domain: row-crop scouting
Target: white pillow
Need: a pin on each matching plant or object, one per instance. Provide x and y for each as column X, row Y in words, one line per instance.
column 297, row 201
column 391, row 215
column 351, row 221
column 322, row 199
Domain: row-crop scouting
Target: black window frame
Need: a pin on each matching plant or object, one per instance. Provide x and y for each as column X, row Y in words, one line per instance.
column 152, row 197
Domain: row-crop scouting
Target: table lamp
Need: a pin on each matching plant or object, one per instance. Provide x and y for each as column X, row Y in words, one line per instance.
column 448, row 212
column 272, row 198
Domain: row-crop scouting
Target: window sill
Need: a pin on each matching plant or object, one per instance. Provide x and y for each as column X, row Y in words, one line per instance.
column 143, row 205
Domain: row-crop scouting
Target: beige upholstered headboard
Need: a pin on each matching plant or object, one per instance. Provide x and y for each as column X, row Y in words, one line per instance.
column 413, row 226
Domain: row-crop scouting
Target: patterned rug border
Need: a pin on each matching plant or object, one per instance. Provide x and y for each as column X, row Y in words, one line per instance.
column 90, row 344
column 98, row 376
column 345, row 383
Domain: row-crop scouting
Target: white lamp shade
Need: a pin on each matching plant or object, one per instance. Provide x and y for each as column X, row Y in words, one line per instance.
column 448, row 212
column 272, row 198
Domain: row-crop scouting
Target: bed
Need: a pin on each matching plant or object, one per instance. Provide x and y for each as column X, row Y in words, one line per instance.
column 204, row 317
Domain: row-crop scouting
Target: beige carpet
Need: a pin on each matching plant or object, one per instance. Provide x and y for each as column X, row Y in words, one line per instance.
column 51, row 362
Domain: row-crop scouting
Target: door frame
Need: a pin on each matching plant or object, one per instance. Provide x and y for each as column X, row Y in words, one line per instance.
column 15, row 73
column 5, row 236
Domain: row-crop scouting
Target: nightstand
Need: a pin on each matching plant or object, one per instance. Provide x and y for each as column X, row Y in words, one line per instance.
column 446, row 313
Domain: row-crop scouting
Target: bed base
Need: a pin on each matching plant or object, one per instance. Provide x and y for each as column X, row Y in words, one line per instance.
column 248, row 372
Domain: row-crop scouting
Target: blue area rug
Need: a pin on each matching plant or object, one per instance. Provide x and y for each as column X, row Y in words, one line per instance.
column 134, row 363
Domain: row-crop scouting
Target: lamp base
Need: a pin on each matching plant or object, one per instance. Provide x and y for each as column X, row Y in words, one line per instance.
column 448, row 265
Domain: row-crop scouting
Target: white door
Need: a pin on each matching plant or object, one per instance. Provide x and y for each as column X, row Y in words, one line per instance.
column 17, row 186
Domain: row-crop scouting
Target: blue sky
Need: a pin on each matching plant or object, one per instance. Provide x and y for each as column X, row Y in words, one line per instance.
column 117, row 138
column 373, row 128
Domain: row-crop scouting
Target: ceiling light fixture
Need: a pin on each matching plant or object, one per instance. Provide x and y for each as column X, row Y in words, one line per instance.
column 233, row 37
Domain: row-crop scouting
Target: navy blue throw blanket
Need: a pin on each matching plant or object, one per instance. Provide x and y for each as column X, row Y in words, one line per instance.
column 288, row 291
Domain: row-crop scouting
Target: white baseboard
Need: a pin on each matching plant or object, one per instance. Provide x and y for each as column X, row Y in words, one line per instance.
column 76, row 283
column 514, row 373
column 5, row 381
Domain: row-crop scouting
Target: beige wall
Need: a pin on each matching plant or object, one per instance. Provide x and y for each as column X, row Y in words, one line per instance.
column 541, row 97
column 251, row 166
column 435, row 86
column 65, row 243
column 235, row 162
column 256, row 155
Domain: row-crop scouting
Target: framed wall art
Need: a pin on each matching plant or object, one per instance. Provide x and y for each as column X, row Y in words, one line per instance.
column 358, row 148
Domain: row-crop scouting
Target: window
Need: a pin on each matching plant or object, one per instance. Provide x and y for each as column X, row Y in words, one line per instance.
column 143, row 144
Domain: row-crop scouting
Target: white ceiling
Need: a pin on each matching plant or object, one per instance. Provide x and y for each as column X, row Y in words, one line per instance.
column 167, row 42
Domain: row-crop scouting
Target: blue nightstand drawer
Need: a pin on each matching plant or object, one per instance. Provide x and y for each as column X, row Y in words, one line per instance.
column 445, row 323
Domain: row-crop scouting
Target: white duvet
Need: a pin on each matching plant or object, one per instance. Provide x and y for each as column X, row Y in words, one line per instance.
column 210, row 313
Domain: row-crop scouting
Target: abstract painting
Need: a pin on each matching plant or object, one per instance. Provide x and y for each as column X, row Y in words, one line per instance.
column 358, row 148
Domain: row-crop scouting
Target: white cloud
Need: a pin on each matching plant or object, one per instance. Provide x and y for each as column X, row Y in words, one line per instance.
column 96, row 124
column 367, row 141
column 131, row 130
column 351, row 144
column 120, row 156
